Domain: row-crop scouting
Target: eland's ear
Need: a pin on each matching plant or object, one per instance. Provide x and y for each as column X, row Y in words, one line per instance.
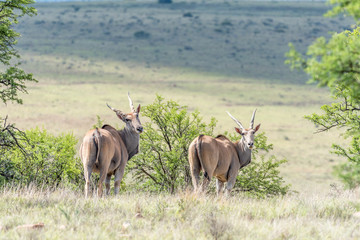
column 238, row 130
column 138, row 109
column 257, row 127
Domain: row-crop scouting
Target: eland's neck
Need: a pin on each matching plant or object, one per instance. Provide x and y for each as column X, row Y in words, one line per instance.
column 131, row 140
column 244, row 153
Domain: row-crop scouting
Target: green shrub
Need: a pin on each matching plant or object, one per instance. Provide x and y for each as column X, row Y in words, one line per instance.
column 162, row 163
column 48, row 159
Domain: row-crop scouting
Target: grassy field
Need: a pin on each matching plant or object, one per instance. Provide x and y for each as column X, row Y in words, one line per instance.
column 64, row 214
column 212, row 56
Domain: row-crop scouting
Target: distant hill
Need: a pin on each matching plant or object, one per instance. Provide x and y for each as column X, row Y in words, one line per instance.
column 244, row 39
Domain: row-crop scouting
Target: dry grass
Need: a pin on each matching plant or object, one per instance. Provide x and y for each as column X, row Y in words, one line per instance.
column 67, row 215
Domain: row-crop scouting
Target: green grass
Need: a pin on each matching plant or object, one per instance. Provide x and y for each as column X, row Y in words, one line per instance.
column 68, row 215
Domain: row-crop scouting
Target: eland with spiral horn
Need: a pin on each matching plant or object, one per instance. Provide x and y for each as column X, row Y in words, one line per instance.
column 221, row 158
column 107, row 150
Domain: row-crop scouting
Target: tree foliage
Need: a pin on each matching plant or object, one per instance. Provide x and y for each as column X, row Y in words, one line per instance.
column 12, row 79
column 335, row 63
column 162, row 163
column 347, row 7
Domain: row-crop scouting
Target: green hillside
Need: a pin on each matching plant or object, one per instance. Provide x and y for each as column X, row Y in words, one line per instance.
column 242, row 39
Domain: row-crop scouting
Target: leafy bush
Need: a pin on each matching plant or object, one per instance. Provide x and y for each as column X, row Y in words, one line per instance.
column 48, row 159
column 162, row 163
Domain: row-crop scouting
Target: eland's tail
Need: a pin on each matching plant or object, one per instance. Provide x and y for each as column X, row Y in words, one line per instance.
column 97, row 142
column 198, row 153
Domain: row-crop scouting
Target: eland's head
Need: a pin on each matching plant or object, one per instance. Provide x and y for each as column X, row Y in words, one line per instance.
column 248, row 134
column 131, row 119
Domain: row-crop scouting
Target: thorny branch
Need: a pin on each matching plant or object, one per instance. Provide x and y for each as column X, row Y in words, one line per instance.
column 15, row 134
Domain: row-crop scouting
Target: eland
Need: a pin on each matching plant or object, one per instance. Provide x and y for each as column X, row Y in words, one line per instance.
column 220, row 157
column 107, row 150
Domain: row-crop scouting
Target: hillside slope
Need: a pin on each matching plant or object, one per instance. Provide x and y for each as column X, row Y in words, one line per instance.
column 242, row 39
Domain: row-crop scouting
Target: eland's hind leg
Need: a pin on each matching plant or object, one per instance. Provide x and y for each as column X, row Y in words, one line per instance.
column 107, row 184
column 205, row 182
column 195, row 167
column 195, row 178
column 103, row 174
column 88, row 157
column 87, row 175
